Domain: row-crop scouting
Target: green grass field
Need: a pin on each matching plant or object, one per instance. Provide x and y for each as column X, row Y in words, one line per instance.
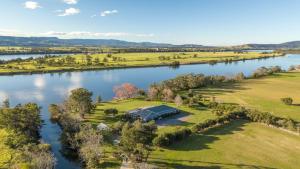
column 190, row 116
column 236, row 145
column 263, row 94
column 131, row 60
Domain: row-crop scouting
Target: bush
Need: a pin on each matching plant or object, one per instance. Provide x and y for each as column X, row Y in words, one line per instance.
column 111, row 111
column 263, row 71
column 166, row 139
column 287, row 100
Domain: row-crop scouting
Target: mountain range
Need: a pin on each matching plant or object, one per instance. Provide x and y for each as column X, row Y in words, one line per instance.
column 54, row 41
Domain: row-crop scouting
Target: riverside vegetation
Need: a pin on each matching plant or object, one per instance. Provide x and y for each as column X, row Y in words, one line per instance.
column 20, row 147
column 194, row 139
column 122, row 60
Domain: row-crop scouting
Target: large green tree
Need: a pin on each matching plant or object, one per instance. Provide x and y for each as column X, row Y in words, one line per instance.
column 80, row 102
column 136, row 140
column 23, row 118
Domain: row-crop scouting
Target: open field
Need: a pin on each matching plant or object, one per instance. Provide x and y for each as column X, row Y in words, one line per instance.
column 188, row 118
column 122, row 60
column 263, row 94
column 236, row 145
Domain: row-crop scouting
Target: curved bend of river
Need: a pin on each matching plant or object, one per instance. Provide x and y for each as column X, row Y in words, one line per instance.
column 45, row 89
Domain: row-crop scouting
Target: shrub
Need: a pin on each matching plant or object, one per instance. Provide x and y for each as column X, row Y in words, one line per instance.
column 287, row 100
column 111, row 111
column 166, row 139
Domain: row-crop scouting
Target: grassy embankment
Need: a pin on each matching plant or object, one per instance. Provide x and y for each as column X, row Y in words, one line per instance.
column 236, row 145
column 263, row 94
column 124, row 60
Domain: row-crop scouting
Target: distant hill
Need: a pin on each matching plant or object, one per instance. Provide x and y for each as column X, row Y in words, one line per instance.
column 53, row 41
column 287, row 45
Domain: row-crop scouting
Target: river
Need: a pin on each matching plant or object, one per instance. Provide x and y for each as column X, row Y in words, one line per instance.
column 26, row 56
column 45, row 89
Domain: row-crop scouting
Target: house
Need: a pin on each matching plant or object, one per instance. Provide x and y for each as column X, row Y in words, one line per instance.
column 152, row 113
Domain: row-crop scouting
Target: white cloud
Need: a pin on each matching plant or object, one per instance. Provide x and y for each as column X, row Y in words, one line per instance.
column 93, row 16
column 74, row 34
column 69, row 11
column 71, row 2
column 85, row 34
column 105, row 13
column 31, row 5
column 10, row 32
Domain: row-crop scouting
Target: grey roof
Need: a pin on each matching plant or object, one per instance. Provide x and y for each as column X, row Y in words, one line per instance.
column 152, row 113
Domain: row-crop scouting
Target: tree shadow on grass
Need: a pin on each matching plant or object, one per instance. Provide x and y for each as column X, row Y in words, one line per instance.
column 201, row 141
column 221, row 89
column 182, row 166
column 225, row 88
column 109, row 164
column 203, row 164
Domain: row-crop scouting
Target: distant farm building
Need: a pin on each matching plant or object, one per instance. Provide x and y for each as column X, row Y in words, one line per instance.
column 152, row 113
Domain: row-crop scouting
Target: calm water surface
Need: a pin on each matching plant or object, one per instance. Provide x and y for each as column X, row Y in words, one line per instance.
column 11, row 57
column 53, row 88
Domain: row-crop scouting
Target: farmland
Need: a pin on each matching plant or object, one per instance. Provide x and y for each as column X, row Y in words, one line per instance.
column 263, row 94
column 81, row 62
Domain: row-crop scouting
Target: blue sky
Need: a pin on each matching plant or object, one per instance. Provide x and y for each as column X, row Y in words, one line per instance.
column 208, row 22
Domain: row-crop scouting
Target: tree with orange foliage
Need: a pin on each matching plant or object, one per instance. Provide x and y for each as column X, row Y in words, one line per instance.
column 125, row 91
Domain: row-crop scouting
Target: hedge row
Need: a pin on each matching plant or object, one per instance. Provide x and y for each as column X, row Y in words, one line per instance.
column 200, row 127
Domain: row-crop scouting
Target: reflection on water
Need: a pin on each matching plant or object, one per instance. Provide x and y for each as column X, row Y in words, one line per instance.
column 53, row 88
column 11, row 57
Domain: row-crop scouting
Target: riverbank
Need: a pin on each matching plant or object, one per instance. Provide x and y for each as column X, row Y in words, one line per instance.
column 119, row 61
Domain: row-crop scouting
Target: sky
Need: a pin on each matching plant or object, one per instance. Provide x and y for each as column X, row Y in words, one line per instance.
column 206, row 22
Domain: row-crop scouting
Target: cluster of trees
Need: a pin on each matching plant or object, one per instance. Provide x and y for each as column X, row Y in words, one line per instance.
column 287, row 100
column 136, row 140
column 23, row 124
column 168, row 89
column 269, row 119
column 79, row 103
column 77, row 137
column 168, row 138
column 264, row 71
column 293, row 67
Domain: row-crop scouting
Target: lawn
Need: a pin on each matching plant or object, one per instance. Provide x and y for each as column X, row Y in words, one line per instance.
column 236, row 145
column 121, row 60
column 189, row 117
column 263, row 94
